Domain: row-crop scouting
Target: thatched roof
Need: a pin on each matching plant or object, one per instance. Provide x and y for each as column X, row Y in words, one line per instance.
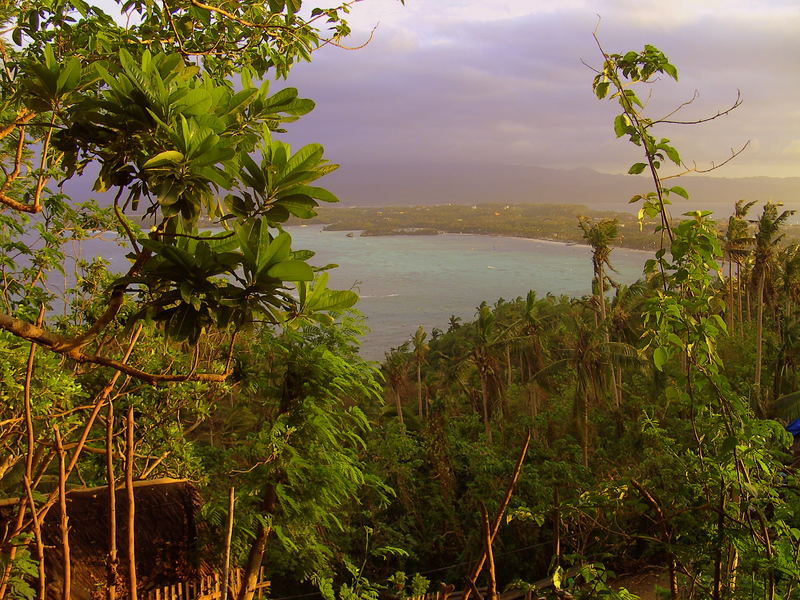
column 166, row 536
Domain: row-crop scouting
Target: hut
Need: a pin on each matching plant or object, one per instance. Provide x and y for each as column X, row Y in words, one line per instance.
column 167, row 548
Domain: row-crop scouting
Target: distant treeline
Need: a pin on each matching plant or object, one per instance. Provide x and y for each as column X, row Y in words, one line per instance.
column 556, row 222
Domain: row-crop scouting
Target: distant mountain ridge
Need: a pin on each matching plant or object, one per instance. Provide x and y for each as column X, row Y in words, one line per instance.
column 419, row 184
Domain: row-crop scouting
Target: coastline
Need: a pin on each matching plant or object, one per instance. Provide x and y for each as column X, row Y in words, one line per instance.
column 566, row 242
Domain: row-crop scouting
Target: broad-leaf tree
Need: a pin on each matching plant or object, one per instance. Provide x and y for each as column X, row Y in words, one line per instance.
column 170, row 112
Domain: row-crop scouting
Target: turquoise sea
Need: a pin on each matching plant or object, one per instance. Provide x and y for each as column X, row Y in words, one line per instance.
column 408, row 281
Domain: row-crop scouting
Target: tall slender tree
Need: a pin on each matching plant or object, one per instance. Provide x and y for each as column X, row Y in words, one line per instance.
column 420, row 352
column 600, row 236
column 767, row 240
column 737, row 244
column 395, row 367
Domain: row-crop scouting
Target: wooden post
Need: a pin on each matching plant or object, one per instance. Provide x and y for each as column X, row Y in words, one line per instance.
column 131, row 505
column 228, row 537
column 474, row 589
column 556, row 525
column 112, row 560
column 487, row 541
column 64, row 519
column 499, row 517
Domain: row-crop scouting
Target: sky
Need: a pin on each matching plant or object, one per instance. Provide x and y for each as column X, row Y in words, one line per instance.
column 489, row 82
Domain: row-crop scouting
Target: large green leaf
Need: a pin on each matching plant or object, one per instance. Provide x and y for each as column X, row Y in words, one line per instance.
column 317, row 193
column 241, row 100
column 291, row 270
column 273, row 252
column 334, row 300
column 305, row 158
column 168, row 157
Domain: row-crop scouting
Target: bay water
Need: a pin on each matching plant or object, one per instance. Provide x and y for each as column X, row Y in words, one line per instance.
column 410, row 280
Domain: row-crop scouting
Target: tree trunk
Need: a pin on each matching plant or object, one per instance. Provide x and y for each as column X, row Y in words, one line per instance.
column 259, row 545
column 398, row 405
column 28, row 476
column 254, row 558
column 585, row 432
column 730, row 316
column 228, row 536
column 556, row 525
column 419, row 390
column 509, row 370
column 759, row 341
column 498, row 517
column 132, row 592
column 63, row 518
column 485, row 405
column 739, row 297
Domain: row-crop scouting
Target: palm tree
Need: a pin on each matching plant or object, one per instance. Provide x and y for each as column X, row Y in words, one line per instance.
column 766, row 243
column 454, row 323
column 587, row 361
column 600, row 235
column 534, row 354
column 788, row 353
column 625, row 326
column 737, row 242
column 395, row 366
column 420, row 352
column 483, row 355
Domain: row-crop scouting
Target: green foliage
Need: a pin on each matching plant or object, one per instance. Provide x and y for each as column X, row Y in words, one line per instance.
column 23, row 569
column 684, row 323
column 293, row 431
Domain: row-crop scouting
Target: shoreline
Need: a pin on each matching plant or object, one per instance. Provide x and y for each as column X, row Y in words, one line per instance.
column 360, row 233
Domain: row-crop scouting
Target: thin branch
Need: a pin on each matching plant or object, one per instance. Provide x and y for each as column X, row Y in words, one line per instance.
column 680, row 107
column 720, row 113
column 42, row 179
column 714, row 166
column 124, row 224
column 11, row 177
column 331, row 41
column 146, row 473
column 23, row 117
column 233, row 17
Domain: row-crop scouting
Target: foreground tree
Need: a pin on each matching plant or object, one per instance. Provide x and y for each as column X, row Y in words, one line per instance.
column 726, row 454
column 163, row 110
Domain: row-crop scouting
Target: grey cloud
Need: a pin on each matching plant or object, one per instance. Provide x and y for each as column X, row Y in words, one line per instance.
column 515, row 92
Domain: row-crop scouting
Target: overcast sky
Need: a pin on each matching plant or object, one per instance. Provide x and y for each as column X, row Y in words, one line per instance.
column 488, row 82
